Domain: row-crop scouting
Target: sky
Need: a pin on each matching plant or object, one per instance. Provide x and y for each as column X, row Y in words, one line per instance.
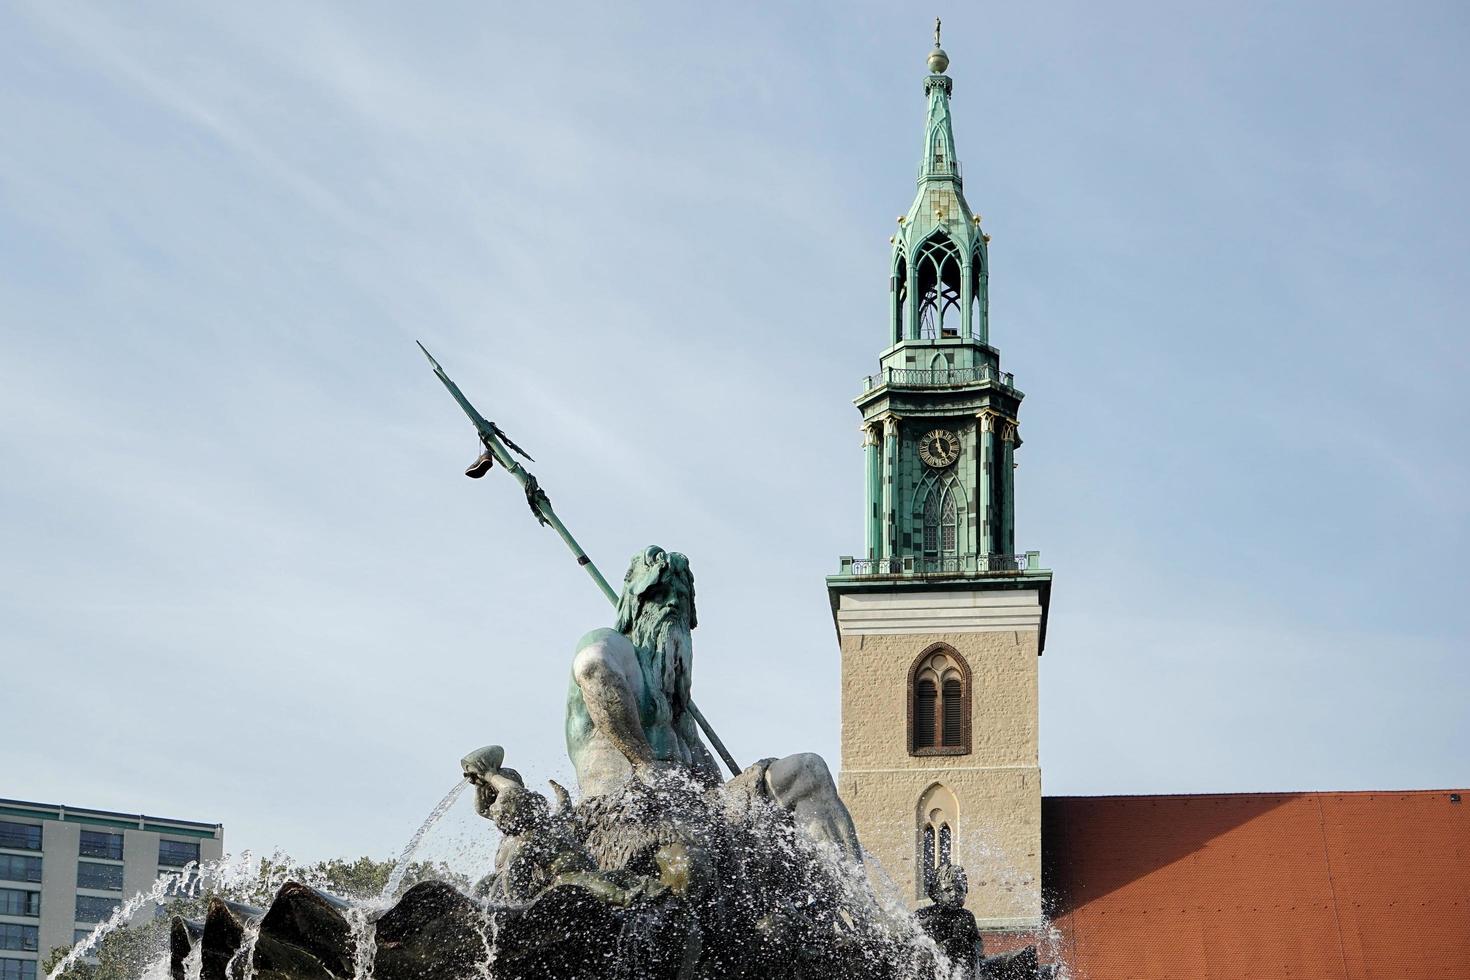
column 242, row 579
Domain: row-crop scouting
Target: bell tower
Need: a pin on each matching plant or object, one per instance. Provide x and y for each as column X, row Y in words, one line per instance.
column 941, row 620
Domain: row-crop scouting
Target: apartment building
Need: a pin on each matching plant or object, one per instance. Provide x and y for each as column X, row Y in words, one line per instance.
column 63, row 869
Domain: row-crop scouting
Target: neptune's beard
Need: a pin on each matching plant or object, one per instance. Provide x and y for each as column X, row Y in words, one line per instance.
column 665, row 651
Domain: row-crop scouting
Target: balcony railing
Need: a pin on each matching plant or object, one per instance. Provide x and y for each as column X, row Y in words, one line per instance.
column 913, row 565
column 914, row 378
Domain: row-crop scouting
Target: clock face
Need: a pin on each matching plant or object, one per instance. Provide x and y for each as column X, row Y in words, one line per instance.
column 939, row 447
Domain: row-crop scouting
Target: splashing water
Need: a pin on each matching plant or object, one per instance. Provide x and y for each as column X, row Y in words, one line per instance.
column 159, row 970
column 489, row 933
column 224, row 872
column 242, row 964
column 400, row 868
column 995, row 866
column 858, row 900
column 194, row 963
column 364, row 942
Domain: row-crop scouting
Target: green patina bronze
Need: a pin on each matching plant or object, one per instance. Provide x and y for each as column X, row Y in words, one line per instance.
column 496, row 442
column 939, row 417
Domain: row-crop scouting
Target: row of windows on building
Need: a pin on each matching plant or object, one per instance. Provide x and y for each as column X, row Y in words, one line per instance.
column 90, row 874
column 27, row 904
column 13, row 969
column 92, row 844
column 20, row 937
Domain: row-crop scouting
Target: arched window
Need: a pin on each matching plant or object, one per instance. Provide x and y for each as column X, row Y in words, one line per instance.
column 948, row 522
column 979, row 283
column 938, row 281
column 900, row 292
column 926, row 847
column 939, row 502
column 938, row 817
column 939, row 703
column 931, row 524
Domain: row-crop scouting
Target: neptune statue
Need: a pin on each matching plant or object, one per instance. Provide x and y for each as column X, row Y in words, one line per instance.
column 628, row 707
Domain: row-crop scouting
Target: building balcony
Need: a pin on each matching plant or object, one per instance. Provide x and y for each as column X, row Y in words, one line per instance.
column 915, row 378
column 919, row 567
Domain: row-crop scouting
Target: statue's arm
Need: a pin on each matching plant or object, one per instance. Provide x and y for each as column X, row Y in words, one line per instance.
column 606, row 669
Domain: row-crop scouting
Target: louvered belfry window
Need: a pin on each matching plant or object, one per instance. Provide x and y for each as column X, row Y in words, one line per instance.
column 939, row 704
column 926, row 712
column 953, row 733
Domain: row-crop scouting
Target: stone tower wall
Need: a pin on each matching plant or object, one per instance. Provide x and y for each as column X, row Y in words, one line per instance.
column 996, row 785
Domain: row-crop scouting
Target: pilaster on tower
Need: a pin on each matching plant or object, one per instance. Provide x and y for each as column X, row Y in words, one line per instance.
column 942, row 620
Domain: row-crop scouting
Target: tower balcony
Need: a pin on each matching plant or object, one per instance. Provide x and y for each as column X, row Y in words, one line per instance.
column 941, row 378
column 920, row 567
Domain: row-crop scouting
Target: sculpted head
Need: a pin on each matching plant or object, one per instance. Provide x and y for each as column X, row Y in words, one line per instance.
column 949, row 887
column 658, row 588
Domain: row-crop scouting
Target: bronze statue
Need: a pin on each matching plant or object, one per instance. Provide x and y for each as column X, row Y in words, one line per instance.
column 950, row 924
column 628, row 707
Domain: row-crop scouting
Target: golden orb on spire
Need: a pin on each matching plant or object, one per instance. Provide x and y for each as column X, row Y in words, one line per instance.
column 938, row 60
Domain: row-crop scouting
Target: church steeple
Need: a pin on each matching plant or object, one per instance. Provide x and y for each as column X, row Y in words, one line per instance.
column 940, row 276
column 940, row 618
column 938, row 161
column 940, row 415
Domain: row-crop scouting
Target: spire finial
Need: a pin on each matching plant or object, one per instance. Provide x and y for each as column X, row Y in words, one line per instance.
column 938, row 60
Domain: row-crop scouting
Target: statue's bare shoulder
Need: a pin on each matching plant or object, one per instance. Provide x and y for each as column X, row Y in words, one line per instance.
column 604, row 637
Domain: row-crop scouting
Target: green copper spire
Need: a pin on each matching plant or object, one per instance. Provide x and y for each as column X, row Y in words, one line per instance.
column 939, row 160
column 940, row 266
column 939, row 417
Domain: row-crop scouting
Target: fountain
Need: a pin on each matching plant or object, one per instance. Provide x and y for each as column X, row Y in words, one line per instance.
column 660, row 869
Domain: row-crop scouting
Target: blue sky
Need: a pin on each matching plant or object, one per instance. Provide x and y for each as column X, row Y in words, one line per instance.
column 243, row 580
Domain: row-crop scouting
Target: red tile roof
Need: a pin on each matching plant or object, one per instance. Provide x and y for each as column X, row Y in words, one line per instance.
column 1336, row 886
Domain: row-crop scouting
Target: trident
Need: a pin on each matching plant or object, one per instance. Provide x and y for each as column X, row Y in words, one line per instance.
column 496, row 444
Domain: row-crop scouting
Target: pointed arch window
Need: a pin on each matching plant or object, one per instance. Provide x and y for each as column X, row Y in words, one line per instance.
column 938, row 279
column 927, row 855
column 940, row 513
column 948, row 522
column 938, row 817
column 900, row 292
column 931, row 525
column 939, row 703
column 979, row 283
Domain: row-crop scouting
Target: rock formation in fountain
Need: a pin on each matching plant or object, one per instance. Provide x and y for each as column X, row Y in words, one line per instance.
column 659, row 871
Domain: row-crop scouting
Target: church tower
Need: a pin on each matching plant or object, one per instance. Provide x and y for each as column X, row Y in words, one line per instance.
column 941, row 620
